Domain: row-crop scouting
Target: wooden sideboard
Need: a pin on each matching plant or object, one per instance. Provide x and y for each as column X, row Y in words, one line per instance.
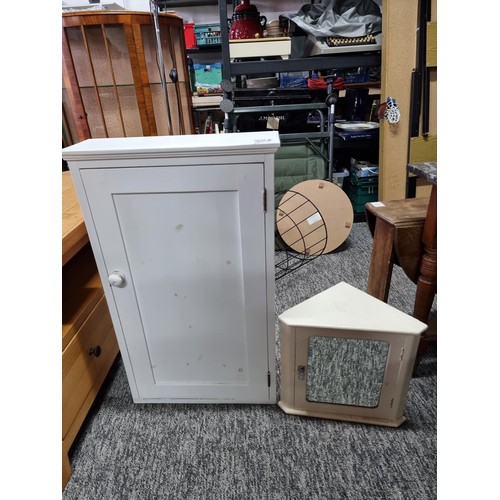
column 89, row 345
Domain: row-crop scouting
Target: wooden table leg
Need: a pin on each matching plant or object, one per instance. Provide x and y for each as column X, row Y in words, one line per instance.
column 381, row 261
column 427, row 281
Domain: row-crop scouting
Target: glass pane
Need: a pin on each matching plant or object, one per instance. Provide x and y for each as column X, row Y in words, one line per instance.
column 81, row 61
column 180, row 43
column 93, row 110
column 70, row 131
column 118, row 52
column 167, row 49
column 130, row 111
column 186, row 115
column 162, row 122
column 100, row 62
column 172, row 43
column 175, row 109
column 150, row 54
column 111, row 111
column 171, row 116
column 346, row 371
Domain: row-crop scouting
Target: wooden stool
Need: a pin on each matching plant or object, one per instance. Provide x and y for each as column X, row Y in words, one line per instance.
column 396, row 227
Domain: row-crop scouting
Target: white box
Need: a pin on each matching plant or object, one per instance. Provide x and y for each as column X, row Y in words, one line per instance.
column 260, row 47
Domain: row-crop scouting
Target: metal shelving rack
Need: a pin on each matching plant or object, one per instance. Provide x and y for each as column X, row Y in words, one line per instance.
column 287, row 261
column 232, row 69
column 337, row 61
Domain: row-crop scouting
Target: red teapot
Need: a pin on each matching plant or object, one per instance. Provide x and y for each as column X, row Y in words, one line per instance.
column 246, row 22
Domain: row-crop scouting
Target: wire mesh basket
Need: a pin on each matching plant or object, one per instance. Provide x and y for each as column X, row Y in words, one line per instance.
column 300, row 232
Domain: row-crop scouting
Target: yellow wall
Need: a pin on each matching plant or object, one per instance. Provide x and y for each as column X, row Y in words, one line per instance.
column 399, row 24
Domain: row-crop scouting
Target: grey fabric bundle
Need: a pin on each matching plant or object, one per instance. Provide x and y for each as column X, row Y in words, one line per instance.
column 347, row 18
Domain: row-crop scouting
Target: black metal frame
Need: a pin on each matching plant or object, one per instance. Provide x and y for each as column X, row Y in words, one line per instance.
column 287, row 260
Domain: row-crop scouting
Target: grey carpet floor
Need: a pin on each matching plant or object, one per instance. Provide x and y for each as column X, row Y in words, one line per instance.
column 129, row 451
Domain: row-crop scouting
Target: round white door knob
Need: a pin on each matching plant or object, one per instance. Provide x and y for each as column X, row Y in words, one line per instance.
column 116, row 278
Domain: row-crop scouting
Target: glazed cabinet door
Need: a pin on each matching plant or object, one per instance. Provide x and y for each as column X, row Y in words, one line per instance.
column 112, row 83
column 184, row 247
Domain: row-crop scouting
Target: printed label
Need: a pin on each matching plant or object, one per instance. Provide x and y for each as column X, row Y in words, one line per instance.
column 273, row 122
column 314, row 218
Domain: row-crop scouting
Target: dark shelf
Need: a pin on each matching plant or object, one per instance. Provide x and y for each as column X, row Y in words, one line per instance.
column 337, row 61
column 364, row 144
column 207, row 48
column 334, row 61
column 189, row 3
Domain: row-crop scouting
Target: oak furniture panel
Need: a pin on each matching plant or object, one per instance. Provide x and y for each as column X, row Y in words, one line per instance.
column 89, row 344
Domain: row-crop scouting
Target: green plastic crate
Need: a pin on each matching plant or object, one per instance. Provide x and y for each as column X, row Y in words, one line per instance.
column 207, row 34
column 361, row 191
column 208, row 78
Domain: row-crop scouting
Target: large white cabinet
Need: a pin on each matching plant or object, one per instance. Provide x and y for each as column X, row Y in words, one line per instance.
column 184, row 244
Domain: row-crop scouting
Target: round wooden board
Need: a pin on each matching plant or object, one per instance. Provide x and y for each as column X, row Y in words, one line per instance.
column 314, row 217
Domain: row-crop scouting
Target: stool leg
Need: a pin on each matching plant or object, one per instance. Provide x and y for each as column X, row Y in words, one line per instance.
column 381, row 261
column 427, row 281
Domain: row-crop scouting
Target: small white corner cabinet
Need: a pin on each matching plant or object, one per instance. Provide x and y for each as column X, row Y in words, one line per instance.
column 182, row 228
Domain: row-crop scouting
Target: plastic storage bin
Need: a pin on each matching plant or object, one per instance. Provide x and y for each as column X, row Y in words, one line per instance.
column 338, row 177
column 208, row 78
column 207, row 35
column 294, row 80
column 361, row 191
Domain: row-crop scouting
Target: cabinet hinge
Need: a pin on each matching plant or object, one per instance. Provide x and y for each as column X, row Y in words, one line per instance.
column 268, row 379
column 265, row 199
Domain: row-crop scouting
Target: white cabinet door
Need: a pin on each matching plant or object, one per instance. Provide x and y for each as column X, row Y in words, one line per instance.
column 190, row 243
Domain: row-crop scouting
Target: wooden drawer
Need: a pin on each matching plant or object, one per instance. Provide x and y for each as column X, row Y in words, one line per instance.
column 82, row 290
column 86, row 323
column 83, row 373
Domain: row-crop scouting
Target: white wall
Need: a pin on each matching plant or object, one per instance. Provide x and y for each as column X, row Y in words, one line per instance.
column 136, row 5
column 85, row 3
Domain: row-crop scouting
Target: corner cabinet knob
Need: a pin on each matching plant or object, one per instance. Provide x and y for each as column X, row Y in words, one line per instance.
column 116, row 278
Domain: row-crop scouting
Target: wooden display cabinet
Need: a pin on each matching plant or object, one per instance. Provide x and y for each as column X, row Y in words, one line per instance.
column 112, row 85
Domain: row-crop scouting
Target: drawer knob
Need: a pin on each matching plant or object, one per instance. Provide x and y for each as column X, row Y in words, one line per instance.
column 116, row 278
column 95, row 351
